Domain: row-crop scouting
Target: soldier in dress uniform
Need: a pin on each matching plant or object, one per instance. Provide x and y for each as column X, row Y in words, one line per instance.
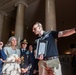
column 25, row 58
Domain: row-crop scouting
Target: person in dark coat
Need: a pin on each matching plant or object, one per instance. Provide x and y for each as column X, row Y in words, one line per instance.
column 36, row 67
column 32, row 58
column 2, row 56
column 25, row 58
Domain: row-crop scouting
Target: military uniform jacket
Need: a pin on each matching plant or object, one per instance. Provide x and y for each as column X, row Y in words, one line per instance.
column 25, row 59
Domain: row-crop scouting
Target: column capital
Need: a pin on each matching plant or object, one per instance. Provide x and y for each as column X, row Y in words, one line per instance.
column 21, row 2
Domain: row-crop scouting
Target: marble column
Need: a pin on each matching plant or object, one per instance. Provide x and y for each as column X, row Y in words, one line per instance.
column 1, row 26
column 50, row 16
column 19, row 26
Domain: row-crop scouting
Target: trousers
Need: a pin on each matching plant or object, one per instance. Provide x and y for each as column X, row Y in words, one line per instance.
column 50, row 67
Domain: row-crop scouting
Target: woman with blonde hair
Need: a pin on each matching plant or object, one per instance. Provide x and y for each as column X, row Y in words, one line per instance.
column 12, row 64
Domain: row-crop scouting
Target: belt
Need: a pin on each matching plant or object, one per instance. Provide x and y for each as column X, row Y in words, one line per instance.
column 50, row 58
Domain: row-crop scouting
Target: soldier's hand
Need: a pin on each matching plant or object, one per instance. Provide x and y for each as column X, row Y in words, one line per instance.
column 22, row 70
column 26, row 69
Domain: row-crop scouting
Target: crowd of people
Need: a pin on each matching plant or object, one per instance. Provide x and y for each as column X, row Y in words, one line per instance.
column 21, row 61
column 17, row 61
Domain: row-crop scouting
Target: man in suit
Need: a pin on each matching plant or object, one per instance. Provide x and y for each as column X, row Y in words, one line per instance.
column 32, row 58
column 25, row 58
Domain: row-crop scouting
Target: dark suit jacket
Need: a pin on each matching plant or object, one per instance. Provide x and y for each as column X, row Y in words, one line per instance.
column 32, row 60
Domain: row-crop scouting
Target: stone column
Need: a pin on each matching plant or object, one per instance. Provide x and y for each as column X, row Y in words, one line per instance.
column 1, row 25
column 20, row 20
column 50, row 16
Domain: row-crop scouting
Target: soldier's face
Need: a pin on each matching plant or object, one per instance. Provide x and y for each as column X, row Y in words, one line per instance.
column 24, row 45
